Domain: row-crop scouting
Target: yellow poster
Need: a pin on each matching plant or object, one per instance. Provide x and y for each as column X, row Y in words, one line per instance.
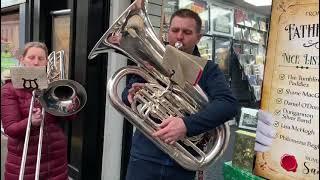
column 291, row 91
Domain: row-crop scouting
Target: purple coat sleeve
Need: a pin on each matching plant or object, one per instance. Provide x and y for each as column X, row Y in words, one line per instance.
column 13, row 123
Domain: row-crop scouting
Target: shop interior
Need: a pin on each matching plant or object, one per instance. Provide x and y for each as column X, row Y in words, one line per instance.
column 235, row 35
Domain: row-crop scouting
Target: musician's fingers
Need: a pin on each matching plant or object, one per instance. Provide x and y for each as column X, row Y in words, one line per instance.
column 36, row 121
column 164, row 123
column 160, row 133
column 167, row 135
column 168, row 140
column 36, row 110
column 130, row 98
column 137, row 86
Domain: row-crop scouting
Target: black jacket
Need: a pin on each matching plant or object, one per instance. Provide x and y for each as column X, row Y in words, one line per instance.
column 222, row 107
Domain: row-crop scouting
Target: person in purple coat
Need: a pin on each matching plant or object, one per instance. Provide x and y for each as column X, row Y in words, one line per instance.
column 15, row 105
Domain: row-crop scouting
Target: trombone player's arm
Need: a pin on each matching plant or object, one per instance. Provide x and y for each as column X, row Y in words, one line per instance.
column 14, row 125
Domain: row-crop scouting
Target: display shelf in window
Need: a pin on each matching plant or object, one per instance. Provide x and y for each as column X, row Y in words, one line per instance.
column 248, row 21
column 255, row 21
column 238, row 33
column 246, row 34
column 200, row 7
column 263, row 24
column 169, row 7
column 239, row 16
column 246, row 48
column 221, row 18
column 205, row 47
column 252, row 66
column 222, row 49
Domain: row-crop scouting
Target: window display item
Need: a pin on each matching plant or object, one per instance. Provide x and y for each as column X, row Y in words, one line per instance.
column 222, row 54
column 248, row 19
column 255, row 36
column 262, row 24
column 222, row 20
column 254, row 49
column 205, row 47
column 246, row 34
column 246, row 48
column 243, row 153
column 248, row 119
column 261, row 50
column 257, row 92
column 255, row 21
column 247, row 69
column 239, row 16
column 252, row 78
column 237, row 33
column 246, row 59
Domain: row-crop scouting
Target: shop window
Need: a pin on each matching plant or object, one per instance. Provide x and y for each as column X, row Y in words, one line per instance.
column 9, row 41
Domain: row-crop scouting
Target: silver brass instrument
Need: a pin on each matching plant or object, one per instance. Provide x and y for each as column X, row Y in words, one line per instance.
column 133, row 36
column 61, row 98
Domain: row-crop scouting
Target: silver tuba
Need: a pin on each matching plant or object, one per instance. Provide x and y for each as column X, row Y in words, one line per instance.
column 133, row 36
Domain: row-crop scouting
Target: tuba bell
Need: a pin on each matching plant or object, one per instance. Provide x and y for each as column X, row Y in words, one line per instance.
column 133, row 36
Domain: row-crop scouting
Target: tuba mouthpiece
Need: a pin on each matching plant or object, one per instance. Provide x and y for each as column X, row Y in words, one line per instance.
column 178, row 44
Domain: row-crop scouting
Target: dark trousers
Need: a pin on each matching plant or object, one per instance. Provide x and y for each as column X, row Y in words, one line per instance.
column 139, row 169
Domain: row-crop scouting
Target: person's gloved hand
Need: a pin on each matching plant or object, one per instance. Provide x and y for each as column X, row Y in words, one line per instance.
column 265, row 132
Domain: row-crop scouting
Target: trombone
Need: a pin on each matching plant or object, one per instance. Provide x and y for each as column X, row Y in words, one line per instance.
column 62, row 98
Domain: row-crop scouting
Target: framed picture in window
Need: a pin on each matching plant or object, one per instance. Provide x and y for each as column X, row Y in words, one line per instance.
column 239, row 15
column 248, row 119
column 222, row 48
column 222, row 20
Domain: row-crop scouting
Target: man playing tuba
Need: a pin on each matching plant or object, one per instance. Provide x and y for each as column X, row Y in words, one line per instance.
column 147, row 161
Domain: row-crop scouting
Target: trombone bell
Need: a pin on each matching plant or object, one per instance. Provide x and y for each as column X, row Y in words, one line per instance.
column 63, row 98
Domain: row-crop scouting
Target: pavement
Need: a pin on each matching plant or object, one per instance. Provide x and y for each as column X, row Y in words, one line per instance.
column 215, row 171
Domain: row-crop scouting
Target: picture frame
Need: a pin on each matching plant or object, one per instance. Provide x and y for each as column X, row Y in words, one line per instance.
column 222, row 47
column 263, row 24
column 205, row 47
column 246, row 34
column 222, row 18
column 238, row 33
column 246, row 48
column 240, row 16
column 248, row 119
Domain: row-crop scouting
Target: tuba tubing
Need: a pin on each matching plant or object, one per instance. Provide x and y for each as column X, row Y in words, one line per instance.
column 185, row 159
column 132, row 35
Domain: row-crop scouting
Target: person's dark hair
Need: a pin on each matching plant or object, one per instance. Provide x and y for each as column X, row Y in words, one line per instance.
column 187, row 13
